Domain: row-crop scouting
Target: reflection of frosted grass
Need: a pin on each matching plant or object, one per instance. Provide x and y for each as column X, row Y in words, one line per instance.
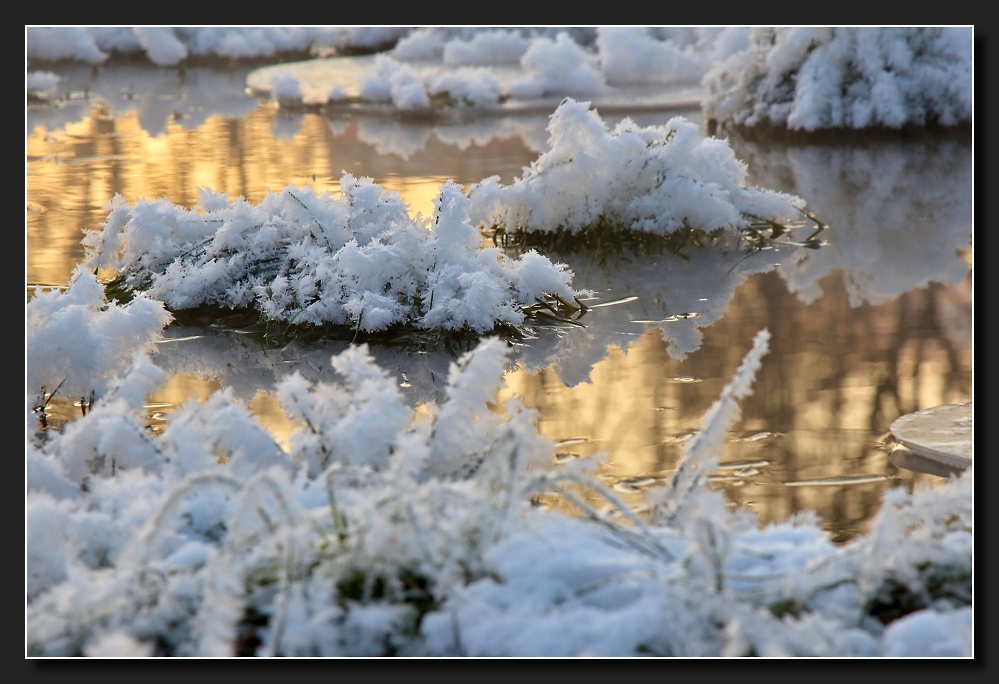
column 900, row 211
column 157, row 97
column 664, row 292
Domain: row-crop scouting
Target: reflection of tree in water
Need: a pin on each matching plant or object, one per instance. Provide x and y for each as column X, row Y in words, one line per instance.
column 73, row 173
column 920, row 332
column 69, row 175
column 859, row 368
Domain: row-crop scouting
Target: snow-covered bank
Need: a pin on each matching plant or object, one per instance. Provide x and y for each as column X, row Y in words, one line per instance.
column 512, row 69
column 168, row 46
column 381, row 533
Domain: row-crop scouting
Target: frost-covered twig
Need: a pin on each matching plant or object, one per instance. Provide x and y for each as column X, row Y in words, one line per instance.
column 701, row 454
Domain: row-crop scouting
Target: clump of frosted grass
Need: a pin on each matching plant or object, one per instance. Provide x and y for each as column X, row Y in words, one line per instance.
column 655, row 179
column 392, row 81
column 379, row 533
column 555, row 66
column 813, row 78
column 468, row 86
column 639, row 54
column 365, row 503
column 302, row 258
column 483, row 48
column 76, row 340
column 704, row 450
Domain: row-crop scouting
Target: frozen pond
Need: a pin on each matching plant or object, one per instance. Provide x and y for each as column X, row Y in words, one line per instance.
column 874, row 324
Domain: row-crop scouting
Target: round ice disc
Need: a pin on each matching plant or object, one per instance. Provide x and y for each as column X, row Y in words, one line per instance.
column 941, row 433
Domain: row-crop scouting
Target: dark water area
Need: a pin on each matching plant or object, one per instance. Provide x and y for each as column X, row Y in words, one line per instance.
column 876, row 323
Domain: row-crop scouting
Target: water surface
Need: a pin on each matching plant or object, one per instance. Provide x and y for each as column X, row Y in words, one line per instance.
column 875, row 324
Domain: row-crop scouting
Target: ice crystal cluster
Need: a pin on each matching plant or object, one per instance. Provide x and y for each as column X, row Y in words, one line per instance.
column 77, row 341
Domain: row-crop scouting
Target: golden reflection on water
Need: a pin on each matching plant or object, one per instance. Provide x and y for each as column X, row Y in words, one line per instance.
column 268, row 412
column 809, row 438
column 823, row 399
column 73, row 173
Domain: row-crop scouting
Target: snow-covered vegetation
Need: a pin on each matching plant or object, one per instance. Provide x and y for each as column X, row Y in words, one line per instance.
column 360, row 260
column 577, row 61
column 377, row 529
column 433, row 69
column 299, row 257
column 811, row 78
column 77, row 340
column 170, row 45
column 379, row 532
column 800, row 78
column 657, row 179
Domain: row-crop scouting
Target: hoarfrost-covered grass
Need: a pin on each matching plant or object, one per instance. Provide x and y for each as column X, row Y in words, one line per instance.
column 379, row 530
column 358, row 259
column 813, row 78
column 379, row 534
column 77, row 340
column 655, row 179
column 798, row 78
column 168, row 46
